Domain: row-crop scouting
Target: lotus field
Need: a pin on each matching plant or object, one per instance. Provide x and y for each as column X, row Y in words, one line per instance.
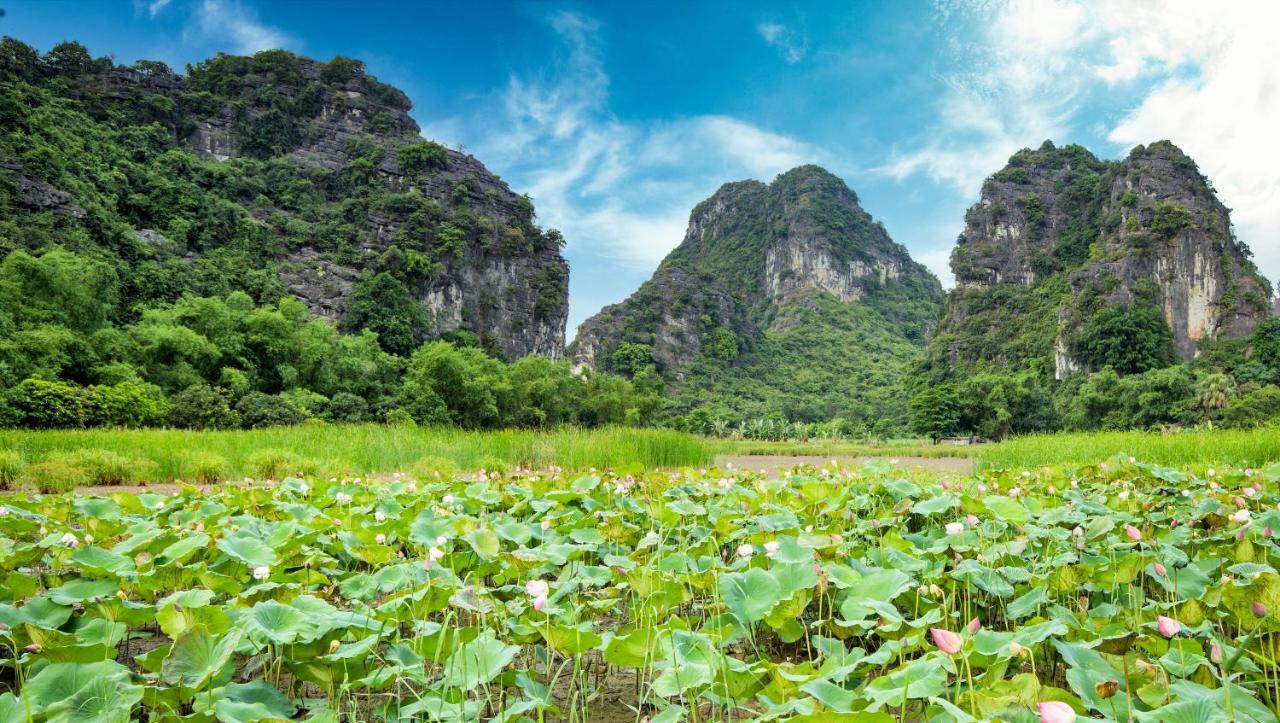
column 1119, row 591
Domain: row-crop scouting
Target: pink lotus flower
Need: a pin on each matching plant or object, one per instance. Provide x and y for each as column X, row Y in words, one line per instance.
column 972, row 520
column 1132, row 533
column 537, row 588
column 974, row 626
column 947, row 641
column 1167, row 627
column 1055, row 711
column 1240, row 516
column 540, row 603
column 1159, row 569
column 1267, row 532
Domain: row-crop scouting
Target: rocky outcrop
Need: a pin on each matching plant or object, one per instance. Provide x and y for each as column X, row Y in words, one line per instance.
column 749, row 251
column 501, row 277
column 1058, row 234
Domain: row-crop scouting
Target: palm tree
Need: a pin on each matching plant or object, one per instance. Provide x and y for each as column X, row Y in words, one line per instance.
column 1214, row 391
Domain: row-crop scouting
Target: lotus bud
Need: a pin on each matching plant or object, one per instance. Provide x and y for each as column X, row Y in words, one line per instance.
column 32, row 648
column 333, row 646
column 1159, row 569
column 947, row 641
column 771, row 548
column 974, row 626
column 4, row 511
column 972, row 520
column 837, row 538
column 381, row 539
column 1259, row 610
column 1132, row 533
column 935, row 590
column 1019, row 650
column 1215, row 653
column 540, row 603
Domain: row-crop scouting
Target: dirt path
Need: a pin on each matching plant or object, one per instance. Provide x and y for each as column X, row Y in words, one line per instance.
column 772, row 463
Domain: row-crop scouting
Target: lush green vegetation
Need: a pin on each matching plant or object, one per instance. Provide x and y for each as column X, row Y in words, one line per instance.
column 64, row 459
column 140, row 282
column 1126, row 591
column 1248, row 448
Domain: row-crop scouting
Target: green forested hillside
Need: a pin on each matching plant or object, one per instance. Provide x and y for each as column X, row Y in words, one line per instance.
column 786, row 303
column 262, row 240
column 1098, row 294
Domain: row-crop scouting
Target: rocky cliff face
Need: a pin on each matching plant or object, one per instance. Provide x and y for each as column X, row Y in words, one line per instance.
column 757, row 261
column 367, row 185
column 1058, row 234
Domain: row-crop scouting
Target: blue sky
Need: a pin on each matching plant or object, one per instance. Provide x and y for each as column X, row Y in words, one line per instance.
column 618, row 118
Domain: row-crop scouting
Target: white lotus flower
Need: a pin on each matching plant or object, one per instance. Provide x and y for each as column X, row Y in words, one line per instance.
column 537, row 588
column 69, row 540
column 262, row 572
column 342, row 498
column 746, row 550
column 955, row 528
column 1240, row 516
column 771, row 548
column 381, row 539
column 379, row 516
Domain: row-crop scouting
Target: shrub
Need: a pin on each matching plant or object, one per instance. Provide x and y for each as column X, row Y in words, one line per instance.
column 207, row 468
column 433, row 467
column 55, row 476
column 348, row 408
column 11, row 466
column 200, row 406
column 43, row 404
column 128, row 404
column 1256, row 408
column 259, row 410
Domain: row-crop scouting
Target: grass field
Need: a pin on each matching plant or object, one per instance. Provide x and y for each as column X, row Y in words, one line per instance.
column 1254, row 447
column 846, row 448
column 165, row 455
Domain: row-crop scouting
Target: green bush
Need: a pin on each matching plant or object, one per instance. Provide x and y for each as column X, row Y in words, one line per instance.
column 259, row 410
column 348, row 408
column 200, row 406
column 104, row 467
column 128, row 404
column 11, row 466
column 1257, row 408
column 43, row 404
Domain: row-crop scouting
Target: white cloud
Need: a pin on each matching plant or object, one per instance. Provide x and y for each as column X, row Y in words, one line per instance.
column 619, row 190
column 231, row 23
column 1207, row 76
column 790, row 45
column 155, row 7
column 1226, row 117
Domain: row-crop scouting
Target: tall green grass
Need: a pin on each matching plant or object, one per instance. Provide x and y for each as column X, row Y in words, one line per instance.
column 1255, row 447
column 363, row 449
column 836, row 448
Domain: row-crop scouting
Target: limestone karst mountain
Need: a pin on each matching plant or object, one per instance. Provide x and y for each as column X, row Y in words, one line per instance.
column 1060, row 239
column 783, row 298
column 276, row 174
